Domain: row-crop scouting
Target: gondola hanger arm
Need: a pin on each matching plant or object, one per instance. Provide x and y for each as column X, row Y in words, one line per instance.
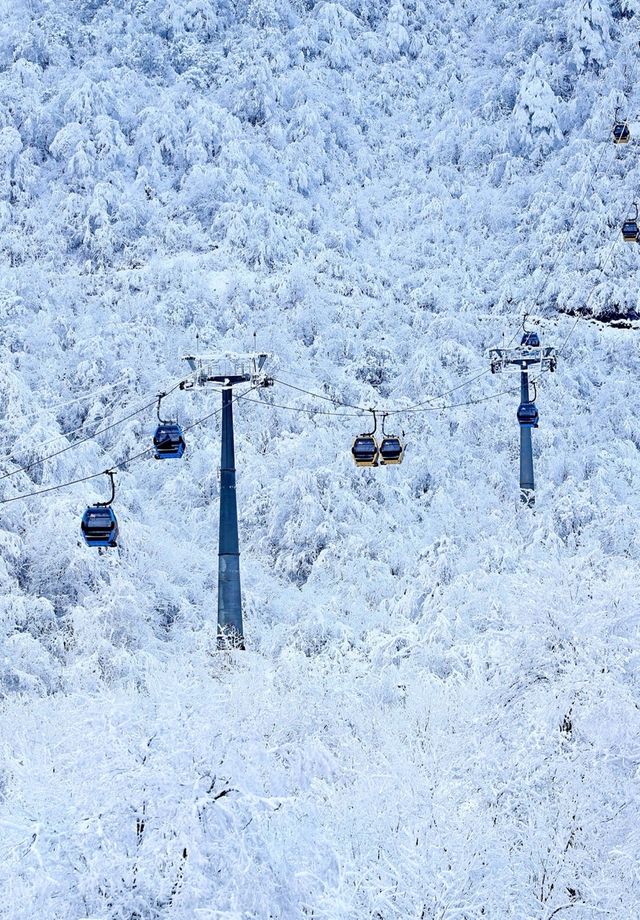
column 161, row 396
column 111, row 474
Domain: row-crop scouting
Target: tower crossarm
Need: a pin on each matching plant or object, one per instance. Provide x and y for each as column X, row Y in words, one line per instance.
column 227, row 370
column 522, row 358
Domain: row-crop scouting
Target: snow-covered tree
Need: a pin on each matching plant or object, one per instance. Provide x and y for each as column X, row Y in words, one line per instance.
column 629, row 7
column 397, row 36
column 535, row 114
column 10, row 149
column 589, row 26
column 337, row 28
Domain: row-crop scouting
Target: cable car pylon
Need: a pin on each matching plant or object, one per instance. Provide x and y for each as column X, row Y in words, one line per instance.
column 228, row 371
column 529, row 354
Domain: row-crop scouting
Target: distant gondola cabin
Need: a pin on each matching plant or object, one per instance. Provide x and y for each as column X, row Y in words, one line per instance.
column 621, row 133
column 630, row 231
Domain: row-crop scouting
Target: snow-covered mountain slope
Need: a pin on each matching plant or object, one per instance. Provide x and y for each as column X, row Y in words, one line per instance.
column 436, row 715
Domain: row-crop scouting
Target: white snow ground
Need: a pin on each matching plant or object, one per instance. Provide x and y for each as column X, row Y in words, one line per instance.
column 437, row 714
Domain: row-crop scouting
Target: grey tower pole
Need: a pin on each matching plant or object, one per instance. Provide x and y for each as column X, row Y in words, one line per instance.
column 530, row 353
column 230, row 630
column 228, row 371
column 527, row 487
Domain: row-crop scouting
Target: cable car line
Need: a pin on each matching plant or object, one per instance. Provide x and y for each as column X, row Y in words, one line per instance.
column 175, row 448
column 77, row 443
column 69, row 431
column 570, row 228
column 469, row 402
column 361, row 410
column 65, row 434
column 312, row 411
column 335, row 402
column 566, row 235
column 614, row 240
column 420, row 407
column 80, row 441
column 417, row 407
column 591, row 293
column 171, row 443
column 71, row 402
column 62, row 485
column 115, row 466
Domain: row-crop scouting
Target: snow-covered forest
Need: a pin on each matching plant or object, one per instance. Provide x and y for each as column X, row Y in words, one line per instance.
column 437, row 713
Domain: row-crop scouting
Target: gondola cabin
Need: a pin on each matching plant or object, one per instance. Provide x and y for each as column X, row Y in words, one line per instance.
column 621, row 133
column 528, row 414
column 391, row 450
column 99, row 526
column 169, row 441
column 630, row 231
column 365, row 450
column 531, row 340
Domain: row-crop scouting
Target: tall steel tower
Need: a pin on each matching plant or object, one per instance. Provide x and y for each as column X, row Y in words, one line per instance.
column 227, row 372
column 528, row 355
